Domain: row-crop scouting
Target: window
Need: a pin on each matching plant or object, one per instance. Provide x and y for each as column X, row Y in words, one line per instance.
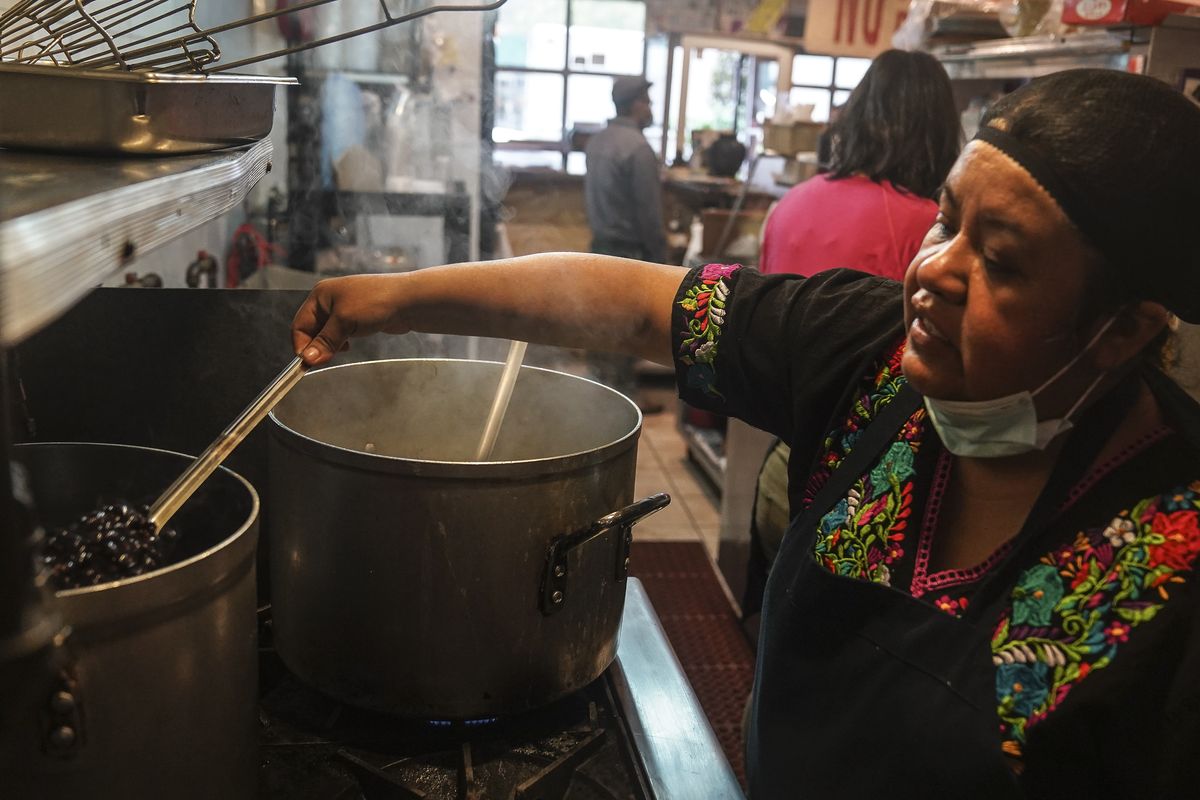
column 555, row 63
column 824, row 82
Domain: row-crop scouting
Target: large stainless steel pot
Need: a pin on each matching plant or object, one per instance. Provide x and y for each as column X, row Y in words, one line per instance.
column 158, row 691
column 408, row 579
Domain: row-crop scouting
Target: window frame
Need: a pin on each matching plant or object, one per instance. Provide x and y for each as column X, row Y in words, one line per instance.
column 832, row 88
column 563, row 144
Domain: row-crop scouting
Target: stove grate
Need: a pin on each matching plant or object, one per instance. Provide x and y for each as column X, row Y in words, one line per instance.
column 316, row 747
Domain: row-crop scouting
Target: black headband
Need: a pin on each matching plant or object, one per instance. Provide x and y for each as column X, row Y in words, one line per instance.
column 1086, row 136
column 1077, row 209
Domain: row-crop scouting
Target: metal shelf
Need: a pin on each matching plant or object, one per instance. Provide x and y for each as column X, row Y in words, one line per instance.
column 706, row 447
column 67, row 223
column 1033, row 56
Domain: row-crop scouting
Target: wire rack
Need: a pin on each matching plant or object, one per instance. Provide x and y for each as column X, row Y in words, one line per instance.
column 158, row 35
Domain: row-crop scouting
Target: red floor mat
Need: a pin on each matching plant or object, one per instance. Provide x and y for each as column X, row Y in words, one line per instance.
column 703, row 631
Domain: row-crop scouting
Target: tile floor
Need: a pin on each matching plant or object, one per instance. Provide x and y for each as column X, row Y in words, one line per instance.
column 663, row 466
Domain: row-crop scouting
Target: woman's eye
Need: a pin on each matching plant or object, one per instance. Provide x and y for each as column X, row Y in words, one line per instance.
column 996, row 268
column 941, row 228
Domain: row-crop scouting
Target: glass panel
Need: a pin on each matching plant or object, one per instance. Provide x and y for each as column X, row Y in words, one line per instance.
column 532, row 33
column 767, row 79
column 850, row 71
column 528, row 106
column 840, row 97
column 711, row 98
column 656, row 73
column 528, row 159
column 607, row 36
column 817, row 98
column 812, row 70
column 589, row 100
column 576, row 163
column 672, row 122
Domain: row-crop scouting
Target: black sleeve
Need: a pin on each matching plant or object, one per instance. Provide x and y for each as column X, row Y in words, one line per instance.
column 1178, row 769
column 780, row 352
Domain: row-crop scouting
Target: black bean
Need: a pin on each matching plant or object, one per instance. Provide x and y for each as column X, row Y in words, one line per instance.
column 114, row 542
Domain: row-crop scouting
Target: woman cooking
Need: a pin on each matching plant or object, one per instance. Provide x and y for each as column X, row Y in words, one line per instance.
column 987, row 589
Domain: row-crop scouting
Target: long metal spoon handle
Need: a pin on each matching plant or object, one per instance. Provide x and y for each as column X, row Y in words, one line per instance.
column 206, row 463
column 495, row 418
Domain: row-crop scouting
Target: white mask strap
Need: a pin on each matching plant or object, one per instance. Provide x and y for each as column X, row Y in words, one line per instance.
column 1071, row 413
column 1104, row 329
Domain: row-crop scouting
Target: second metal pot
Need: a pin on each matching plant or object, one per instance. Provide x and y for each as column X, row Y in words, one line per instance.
column 157, row 688
column 409, row 579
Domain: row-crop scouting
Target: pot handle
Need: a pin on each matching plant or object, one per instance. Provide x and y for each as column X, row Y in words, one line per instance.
column 554, row 579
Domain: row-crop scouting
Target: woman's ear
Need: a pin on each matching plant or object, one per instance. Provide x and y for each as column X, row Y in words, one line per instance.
column 1133, row 328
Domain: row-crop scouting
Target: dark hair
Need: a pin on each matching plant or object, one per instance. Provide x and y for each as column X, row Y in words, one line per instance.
column 1124, row 158
column 900, row 124
column 627, row 90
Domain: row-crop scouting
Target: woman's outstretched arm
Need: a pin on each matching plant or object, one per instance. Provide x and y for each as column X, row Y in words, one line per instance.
column 579, row 300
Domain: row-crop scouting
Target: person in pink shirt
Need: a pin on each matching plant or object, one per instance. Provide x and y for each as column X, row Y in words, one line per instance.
column 891, row 148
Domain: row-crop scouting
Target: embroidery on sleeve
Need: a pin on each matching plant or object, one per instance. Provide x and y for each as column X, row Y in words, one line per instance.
column 1072, row 611
column 704, row 303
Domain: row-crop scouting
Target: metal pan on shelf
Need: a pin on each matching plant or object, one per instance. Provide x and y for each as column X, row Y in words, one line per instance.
column 111, row 112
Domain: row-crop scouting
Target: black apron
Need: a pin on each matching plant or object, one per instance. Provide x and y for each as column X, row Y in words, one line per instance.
column 862, row 690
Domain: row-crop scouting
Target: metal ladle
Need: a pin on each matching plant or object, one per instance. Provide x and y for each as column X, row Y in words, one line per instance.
column 207, row 462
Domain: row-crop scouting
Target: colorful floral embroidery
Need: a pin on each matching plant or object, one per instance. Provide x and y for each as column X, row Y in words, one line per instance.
column 864, row 533
column 705, row 302
column 878, row 389
column 951, row 605
column 1072, row 610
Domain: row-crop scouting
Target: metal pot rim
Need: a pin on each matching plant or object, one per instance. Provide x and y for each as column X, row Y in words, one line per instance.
column 434, row 468
column 177, row 566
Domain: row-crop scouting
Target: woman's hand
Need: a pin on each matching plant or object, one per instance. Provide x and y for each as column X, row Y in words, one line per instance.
column 339, row 309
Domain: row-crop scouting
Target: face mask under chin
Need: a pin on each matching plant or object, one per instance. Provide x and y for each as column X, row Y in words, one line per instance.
column 1008, row 425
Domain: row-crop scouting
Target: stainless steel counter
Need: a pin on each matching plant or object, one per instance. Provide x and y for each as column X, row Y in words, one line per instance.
column 67, row 223
column 679, row 751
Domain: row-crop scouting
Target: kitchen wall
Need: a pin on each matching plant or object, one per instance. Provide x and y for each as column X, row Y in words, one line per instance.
column 717, row 16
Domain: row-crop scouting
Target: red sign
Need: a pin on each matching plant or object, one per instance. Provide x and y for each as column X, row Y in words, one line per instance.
column 852, row 27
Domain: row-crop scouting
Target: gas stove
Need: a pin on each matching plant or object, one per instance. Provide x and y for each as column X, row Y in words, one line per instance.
column 636, row 733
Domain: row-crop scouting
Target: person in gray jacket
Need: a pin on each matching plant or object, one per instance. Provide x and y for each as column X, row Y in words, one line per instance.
column 623, row 191
column 623, row 188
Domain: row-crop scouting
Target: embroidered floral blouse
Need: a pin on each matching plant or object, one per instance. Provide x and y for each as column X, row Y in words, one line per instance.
column 1109, row 611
